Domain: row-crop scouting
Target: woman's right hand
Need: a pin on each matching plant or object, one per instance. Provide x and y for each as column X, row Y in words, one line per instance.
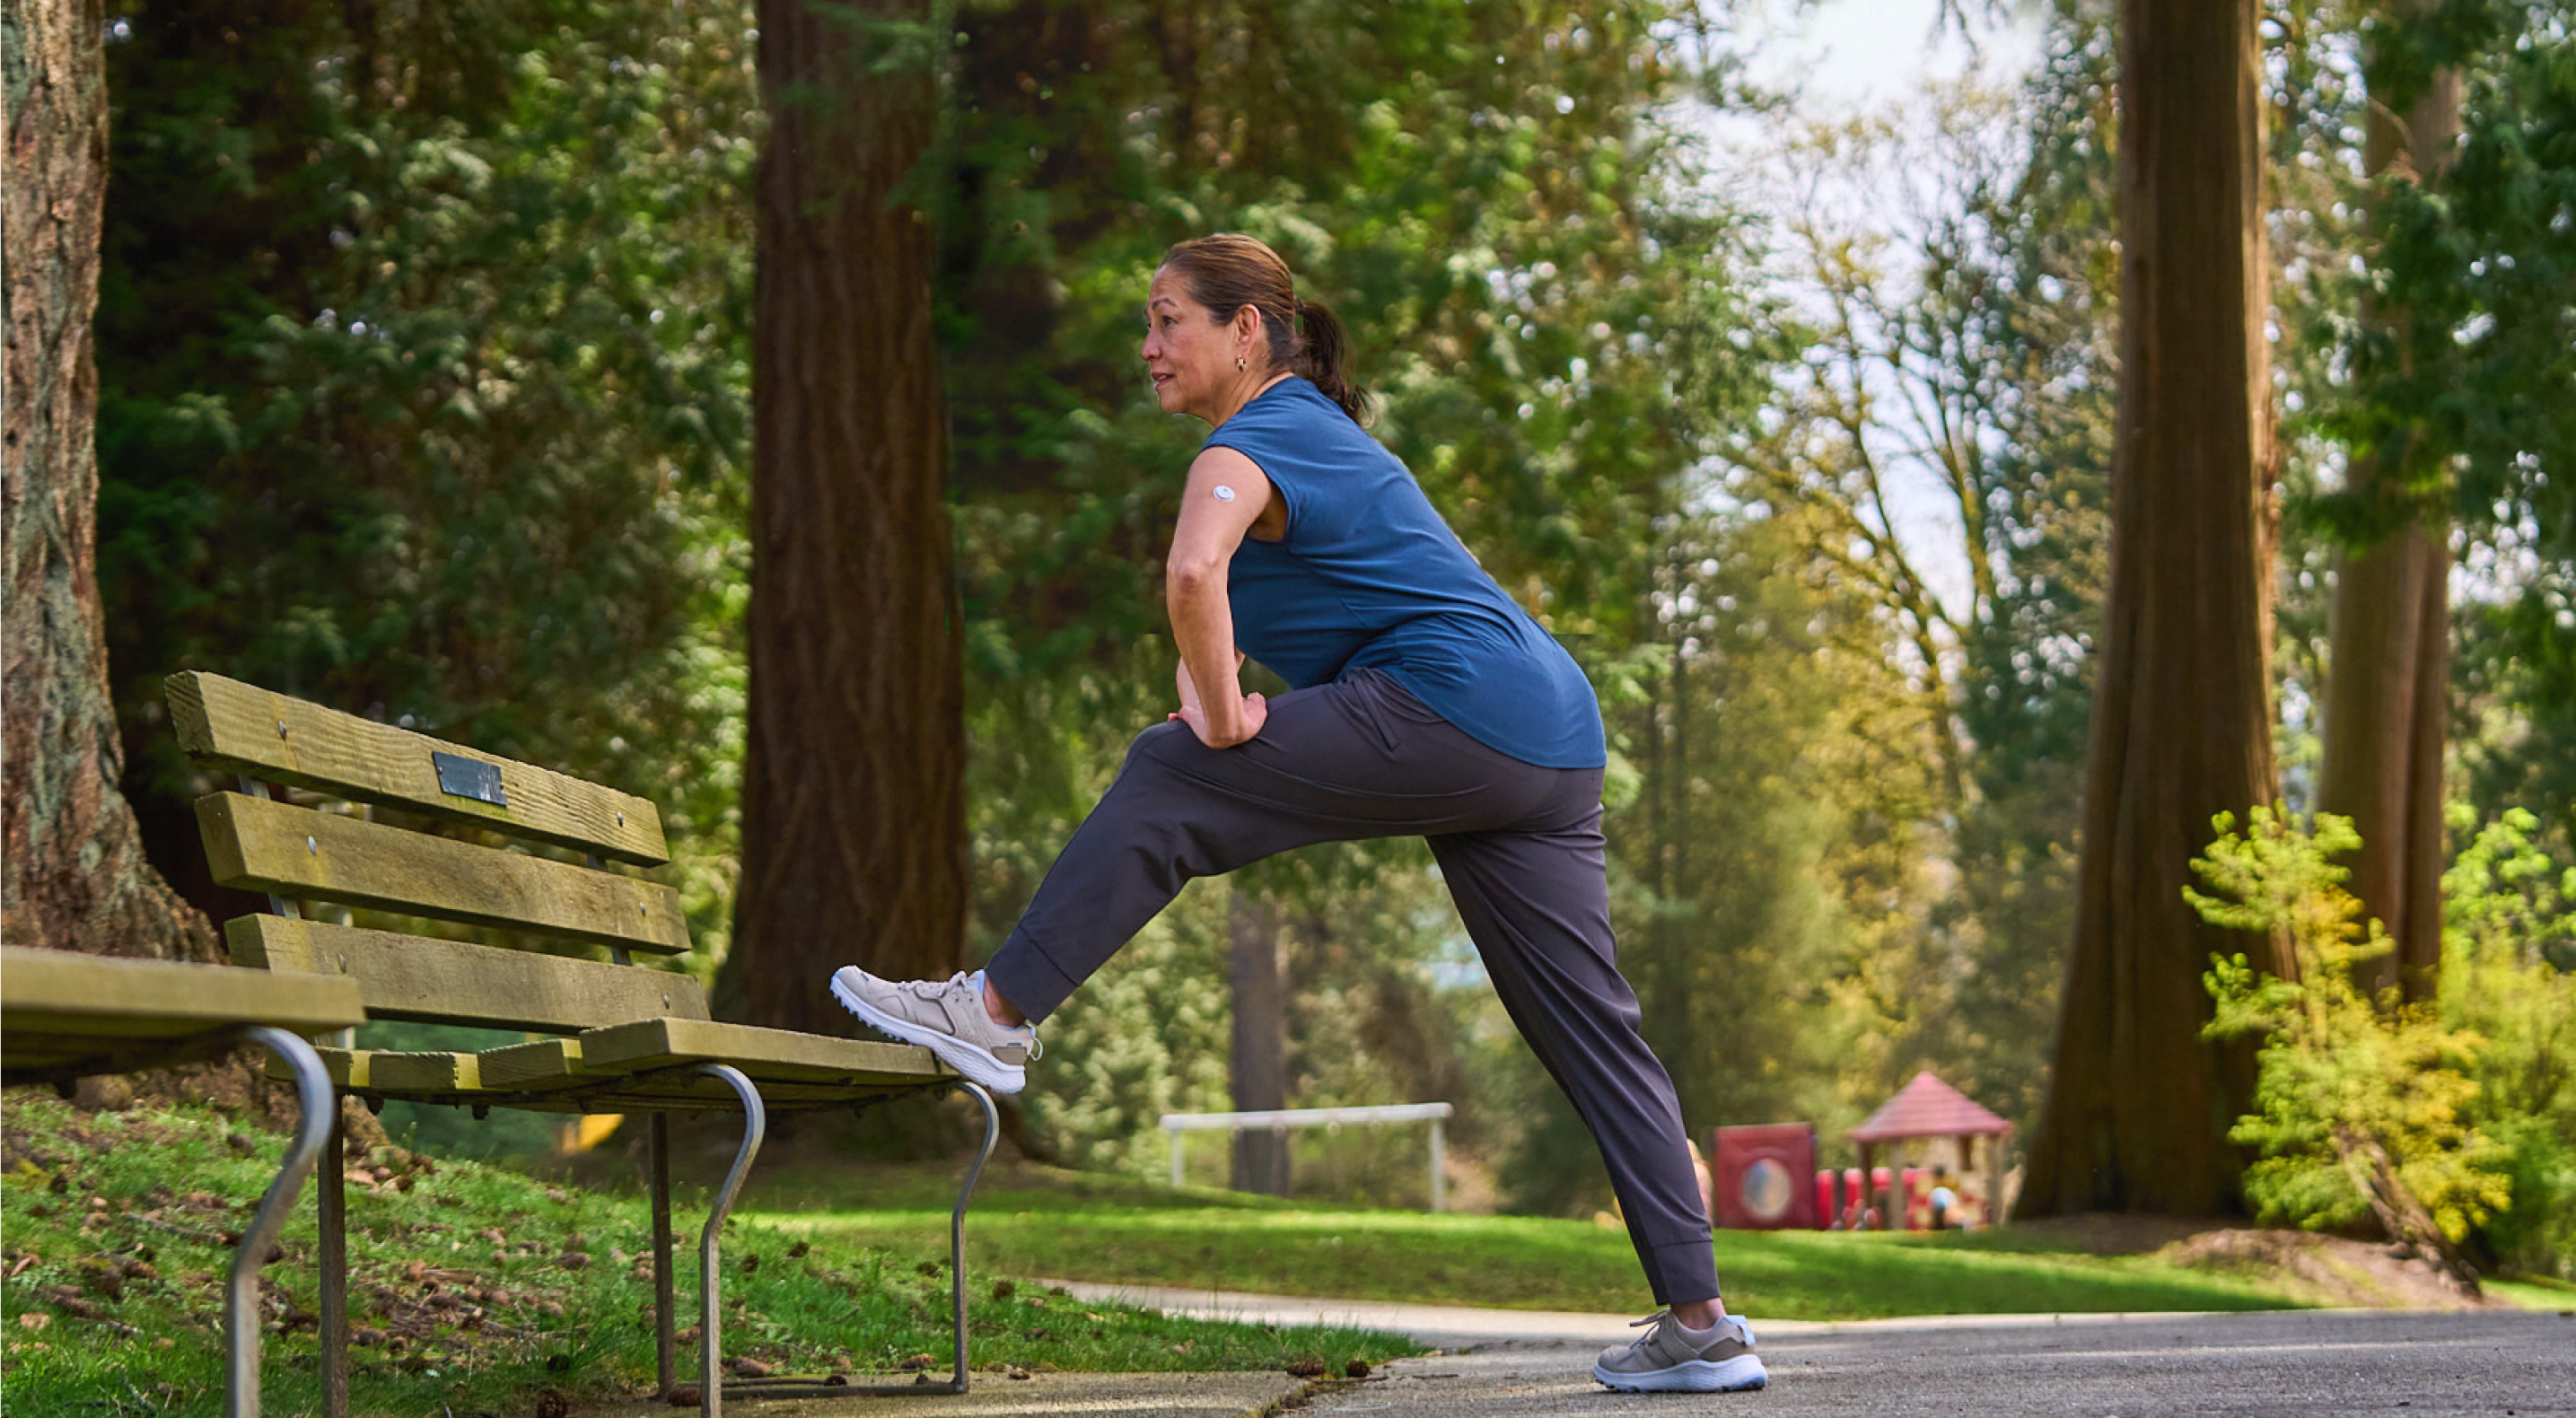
column 1189, row 690
column 1252, row 712
column 1192, row 710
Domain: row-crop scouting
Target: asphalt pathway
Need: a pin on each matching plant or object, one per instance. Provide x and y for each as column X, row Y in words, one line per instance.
column 1527, row 1364
column 2306, row 1363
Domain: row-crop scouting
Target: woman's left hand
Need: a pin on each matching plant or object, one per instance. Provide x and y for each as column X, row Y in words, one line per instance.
column 1250, row 715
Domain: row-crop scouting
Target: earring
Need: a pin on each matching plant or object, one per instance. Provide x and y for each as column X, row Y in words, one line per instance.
column 1238, row 364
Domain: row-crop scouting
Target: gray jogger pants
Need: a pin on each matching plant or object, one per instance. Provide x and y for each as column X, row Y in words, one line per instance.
column 1520, row 847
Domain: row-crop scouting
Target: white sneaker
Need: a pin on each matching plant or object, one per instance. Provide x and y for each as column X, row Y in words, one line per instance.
column 1669, row 1359
column 946, row 1017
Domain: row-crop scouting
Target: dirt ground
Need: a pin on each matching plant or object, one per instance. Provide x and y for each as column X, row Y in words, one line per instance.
column 2324, row 1270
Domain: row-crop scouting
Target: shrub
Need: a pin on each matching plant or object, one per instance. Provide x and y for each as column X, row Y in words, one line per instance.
column 2364, row 1101
column 2510, row 933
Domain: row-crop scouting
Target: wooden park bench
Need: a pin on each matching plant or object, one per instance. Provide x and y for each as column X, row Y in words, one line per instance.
column 617, row 1036
column 65, row 1017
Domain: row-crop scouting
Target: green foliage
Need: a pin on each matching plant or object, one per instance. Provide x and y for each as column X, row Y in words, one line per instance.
column 2509, row 976
column 2477, row 259
column 2363, row 1099
column 423, row 390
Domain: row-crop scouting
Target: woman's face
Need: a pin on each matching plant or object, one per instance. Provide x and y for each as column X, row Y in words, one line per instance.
column 1189, row 357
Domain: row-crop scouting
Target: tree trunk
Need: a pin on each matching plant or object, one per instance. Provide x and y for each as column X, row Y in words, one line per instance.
column 853, row 800
column 2402, row 1216
column 2140, row 1104
column 2388, row 671
column 1260, row 1040
column 74, row 876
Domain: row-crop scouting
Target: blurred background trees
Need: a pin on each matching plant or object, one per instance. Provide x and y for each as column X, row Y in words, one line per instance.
column 434, row 346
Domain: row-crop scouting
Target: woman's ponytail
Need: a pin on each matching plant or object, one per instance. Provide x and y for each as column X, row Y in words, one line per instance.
column 1324, row 358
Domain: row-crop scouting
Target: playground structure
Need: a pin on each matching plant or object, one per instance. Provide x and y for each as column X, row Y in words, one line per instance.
column 1754, row 1170
column 1927, row 1108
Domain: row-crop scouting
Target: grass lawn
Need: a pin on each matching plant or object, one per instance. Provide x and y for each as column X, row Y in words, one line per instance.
column 1034, row 1222
column 477, row 1288
column 2536, row 1294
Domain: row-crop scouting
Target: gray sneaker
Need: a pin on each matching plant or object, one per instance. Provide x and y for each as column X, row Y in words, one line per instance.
column 947, row 1017
column 1669, row 1360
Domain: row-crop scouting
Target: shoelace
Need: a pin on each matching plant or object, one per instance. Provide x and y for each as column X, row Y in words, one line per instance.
column 933, row 989
column 1659, row 1314
column 1644, row 1339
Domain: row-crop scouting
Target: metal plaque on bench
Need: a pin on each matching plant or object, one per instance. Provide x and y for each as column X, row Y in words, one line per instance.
column 466, row 778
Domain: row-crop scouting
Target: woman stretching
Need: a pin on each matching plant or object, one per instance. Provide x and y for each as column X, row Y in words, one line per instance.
column 1426, row 702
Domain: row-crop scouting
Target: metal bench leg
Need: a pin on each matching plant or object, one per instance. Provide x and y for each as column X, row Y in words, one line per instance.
column 241, row 1299
column 755, row 1122
column 331, row 1205
column 665, row 1345
column 957, row 1228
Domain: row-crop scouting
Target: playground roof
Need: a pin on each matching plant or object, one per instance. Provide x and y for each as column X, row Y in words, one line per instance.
column 1927, row 1107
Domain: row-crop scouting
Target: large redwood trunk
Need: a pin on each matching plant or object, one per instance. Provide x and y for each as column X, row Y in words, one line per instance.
column 853, row 803
column 2388, row 672
column 2140, row 1104
column 72, row 871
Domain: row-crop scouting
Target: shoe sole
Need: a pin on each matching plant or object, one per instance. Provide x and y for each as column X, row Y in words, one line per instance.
column 1740, row 1374
column 973, row 1061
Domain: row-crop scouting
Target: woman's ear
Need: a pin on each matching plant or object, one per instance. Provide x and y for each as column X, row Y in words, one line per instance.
column 1247, row 325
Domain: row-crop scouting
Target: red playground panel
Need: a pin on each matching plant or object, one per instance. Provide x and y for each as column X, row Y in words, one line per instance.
column 1763, row 1177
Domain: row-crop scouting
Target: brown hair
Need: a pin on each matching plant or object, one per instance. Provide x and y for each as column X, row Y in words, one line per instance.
column 1229, row 271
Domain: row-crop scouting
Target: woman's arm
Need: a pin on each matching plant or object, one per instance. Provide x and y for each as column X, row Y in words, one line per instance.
column 1226, row 492
column 1188, row 688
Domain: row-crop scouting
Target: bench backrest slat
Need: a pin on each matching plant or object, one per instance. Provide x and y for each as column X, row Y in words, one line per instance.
column 227, row 724
column 432, row 981
column 297, row 852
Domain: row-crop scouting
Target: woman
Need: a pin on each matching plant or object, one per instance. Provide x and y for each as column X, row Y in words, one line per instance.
column 1427, row 702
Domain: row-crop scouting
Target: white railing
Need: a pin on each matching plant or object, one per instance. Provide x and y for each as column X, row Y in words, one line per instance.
column 1279, row 1119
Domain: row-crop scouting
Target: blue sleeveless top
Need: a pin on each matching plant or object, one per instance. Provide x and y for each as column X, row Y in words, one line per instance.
column 1368, row 576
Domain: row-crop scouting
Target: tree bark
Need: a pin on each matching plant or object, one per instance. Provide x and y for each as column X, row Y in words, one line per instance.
column 74, row 876
column 1260, row 1055
column 2401, row 1214
column 2388, row 667
column 853, row 804
column 2140, row 1105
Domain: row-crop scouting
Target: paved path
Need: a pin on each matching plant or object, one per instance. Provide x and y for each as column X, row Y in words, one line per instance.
column 1532, row 1364
column 2311, row 1364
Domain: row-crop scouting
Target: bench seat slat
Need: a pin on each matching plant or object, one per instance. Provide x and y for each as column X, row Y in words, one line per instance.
column 394, row 1073
column 57, row 1006
column 539, row 1064
column 227, row 724
column 550, row 1075
column 678, row 1091
column 685, row 1089
column 292, row 851
column 430, row 981
column 767, row 1055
